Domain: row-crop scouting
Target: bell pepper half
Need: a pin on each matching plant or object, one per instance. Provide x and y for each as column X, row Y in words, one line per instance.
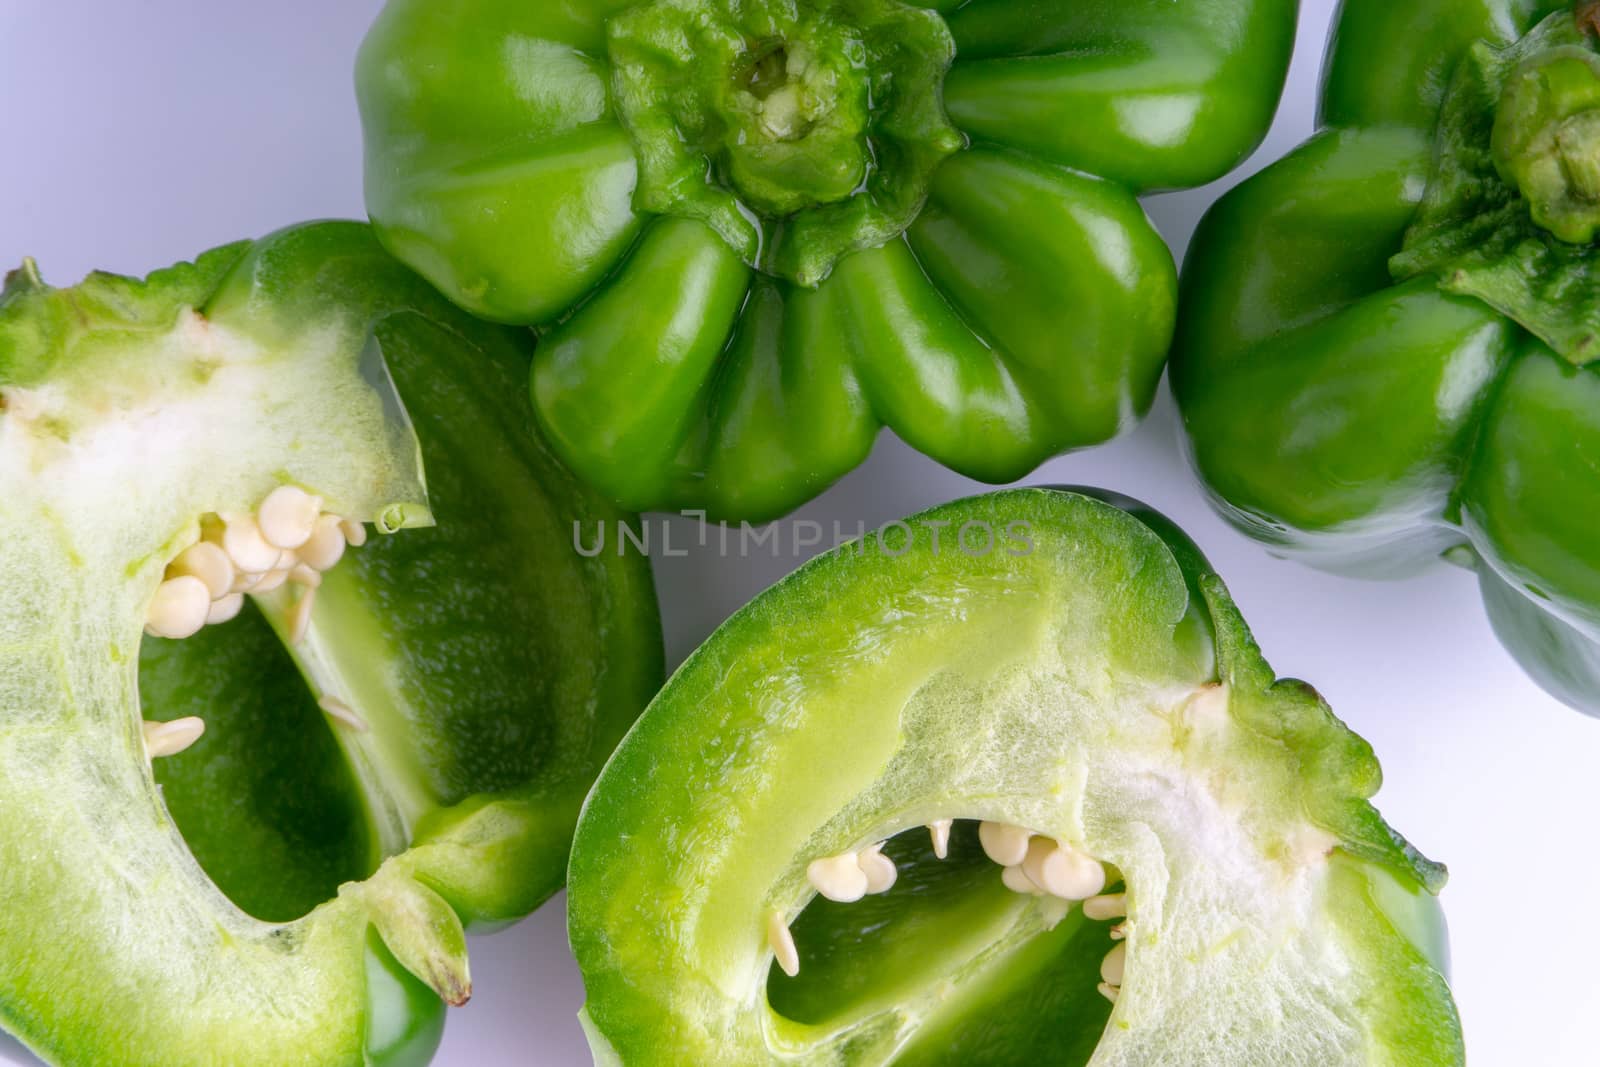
column 1010, row 784
column 363, row 745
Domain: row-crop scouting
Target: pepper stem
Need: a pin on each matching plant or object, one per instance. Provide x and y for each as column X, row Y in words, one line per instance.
column 1546, row 139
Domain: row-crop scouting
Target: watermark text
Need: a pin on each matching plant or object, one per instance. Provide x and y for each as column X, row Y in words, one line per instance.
column 799, row 538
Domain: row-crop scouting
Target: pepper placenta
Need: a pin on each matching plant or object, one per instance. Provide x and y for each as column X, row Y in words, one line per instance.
column 1387, row 347
column 388, row 740
column 751, row 234
column 1174, row 861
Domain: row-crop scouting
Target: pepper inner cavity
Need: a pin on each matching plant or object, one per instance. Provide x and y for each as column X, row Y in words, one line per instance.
column 766, row 70
column 897, row 918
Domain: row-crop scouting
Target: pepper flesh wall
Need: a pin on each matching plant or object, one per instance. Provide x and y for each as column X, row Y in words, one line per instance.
column 1174, row 861
column 756, row 232
column 1389, row 340
column 369, row 744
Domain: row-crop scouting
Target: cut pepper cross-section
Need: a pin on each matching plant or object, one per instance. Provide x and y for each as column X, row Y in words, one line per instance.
column 1044, row 803
column 260, row 772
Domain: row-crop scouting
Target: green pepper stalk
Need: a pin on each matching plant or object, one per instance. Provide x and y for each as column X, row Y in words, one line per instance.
column 753, row 233
column 364, row 745
column 1386, row 351
column 1174, row 858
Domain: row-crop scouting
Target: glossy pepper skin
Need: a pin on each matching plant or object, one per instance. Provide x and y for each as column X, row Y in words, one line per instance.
column 752, row 235
column 296, row 886
column 1385, row 349
column 1085, row 677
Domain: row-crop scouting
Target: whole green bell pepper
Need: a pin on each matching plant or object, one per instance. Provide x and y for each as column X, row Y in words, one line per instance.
column 1387, row 346
column 752, row 233
column 1193, row 873
column 388, row 747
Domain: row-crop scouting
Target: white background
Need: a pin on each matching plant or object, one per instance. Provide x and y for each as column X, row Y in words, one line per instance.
column 135, row 134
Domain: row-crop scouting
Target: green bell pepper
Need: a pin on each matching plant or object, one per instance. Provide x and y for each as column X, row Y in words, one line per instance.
column 1386, row 352
column 752, row 233
column 1193, row 873
column 389, row 744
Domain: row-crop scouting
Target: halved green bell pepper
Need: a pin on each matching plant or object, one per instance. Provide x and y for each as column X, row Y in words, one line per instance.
column 1194, row 873
column 754, row 233
column 397, row 735
column 1386, row 351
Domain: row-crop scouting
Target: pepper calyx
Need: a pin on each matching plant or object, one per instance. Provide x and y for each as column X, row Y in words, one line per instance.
column 798, row 132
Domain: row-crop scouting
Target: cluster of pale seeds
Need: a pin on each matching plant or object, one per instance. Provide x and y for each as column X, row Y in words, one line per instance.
column 1033, row 864
column 289, row 539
